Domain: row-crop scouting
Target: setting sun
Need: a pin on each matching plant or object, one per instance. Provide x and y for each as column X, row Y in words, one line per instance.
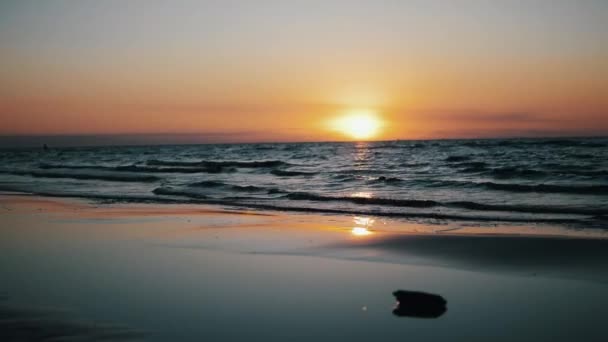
column 360, row 125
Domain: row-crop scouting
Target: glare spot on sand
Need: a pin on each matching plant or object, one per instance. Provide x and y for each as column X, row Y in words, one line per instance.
column 362, row 225
column 360, row 231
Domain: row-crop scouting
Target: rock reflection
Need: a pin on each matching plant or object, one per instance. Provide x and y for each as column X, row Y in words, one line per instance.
column 419, row 304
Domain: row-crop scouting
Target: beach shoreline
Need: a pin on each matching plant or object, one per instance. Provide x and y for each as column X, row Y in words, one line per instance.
column 98, row 208
column 191, row 272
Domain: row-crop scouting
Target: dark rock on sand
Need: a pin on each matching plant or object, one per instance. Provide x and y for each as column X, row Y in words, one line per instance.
column 419, row 304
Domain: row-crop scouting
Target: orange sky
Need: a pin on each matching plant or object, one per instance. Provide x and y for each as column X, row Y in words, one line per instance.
column 279, row 72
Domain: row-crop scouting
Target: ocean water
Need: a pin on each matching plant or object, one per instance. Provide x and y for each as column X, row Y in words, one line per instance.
column 547, row 181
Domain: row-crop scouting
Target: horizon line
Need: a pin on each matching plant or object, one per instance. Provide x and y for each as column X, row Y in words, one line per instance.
column 33, row 145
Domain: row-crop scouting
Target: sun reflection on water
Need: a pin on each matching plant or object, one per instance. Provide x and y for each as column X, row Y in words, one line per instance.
column 362, row 194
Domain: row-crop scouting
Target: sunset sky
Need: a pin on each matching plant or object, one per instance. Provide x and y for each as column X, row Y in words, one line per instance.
column 234, row 71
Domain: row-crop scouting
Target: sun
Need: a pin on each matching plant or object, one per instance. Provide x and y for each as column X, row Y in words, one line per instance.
column 359, row 124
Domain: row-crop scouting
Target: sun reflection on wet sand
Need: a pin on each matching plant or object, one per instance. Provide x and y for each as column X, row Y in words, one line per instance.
column 362, row 225
column 360, row 231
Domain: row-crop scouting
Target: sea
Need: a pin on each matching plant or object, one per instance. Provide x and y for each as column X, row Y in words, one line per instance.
column 484, row 182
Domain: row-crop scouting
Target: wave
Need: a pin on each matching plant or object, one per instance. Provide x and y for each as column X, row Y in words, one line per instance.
column 272, row 191
column 220, row 164
column 411, row 203
column 240, row 188
column 583, row 156
column 476, row 164
column 172, row 163
column 207, row 184
column 388, row 180
column 86, row 176
column 361, row 171
column 456, row 204
column 247, row 188
column 477, row 143
column 531, row 209
column 174, row 192
column 520, row 188
column 13, row 188
column 516, row 172
column 46, row 166
column 135, row 168
column 413, row 215
column 194, row 198
column 114, row 198
column 288, row 173
column 457, row 158
column 303, row 196
column 470, row 167
column 548, row 188
column 589, row 173
column 557, row 167
column 363, row 200
column 266, row 147
column 344, row 177
column 413, row 164
column 492, row 180
column 347, row 178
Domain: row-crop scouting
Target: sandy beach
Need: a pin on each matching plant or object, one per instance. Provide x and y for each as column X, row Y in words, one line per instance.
column 77, row 270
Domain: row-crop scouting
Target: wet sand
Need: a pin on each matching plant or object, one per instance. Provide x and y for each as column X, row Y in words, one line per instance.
column 90, row 271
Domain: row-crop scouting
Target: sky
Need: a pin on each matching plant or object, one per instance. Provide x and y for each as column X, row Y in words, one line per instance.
column 246, row 71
